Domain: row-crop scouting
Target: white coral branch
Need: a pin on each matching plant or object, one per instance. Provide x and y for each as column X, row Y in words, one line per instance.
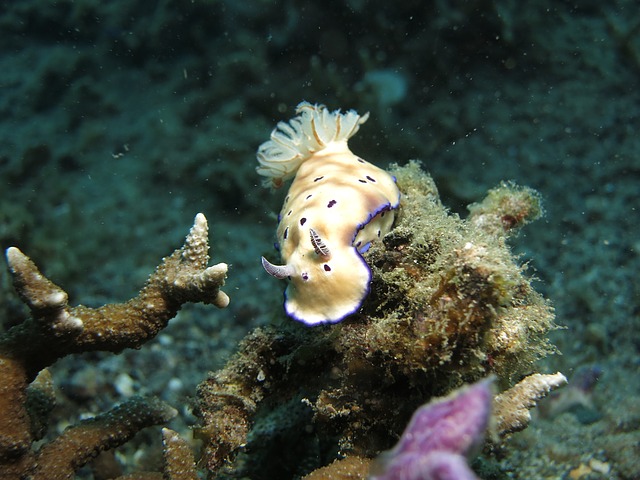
column 511, row 407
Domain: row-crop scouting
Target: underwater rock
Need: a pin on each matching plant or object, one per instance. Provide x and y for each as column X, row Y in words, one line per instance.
column 449, row 305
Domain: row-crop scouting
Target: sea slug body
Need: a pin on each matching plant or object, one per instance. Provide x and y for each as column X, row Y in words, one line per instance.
column 336, row 206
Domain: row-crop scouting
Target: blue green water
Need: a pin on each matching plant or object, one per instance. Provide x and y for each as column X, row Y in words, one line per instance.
column 119, row 121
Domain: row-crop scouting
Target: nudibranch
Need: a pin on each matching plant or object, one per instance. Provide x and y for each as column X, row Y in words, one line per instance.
column 336, row 206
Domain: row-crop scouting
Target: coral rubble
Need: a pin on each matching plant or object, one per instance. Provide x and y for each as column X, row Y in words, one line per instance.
column 56, row 329
column 448, row 305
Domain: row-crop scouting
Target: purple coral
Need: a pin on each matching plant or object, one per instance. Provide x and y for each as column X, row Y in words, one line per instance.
column 439, row 438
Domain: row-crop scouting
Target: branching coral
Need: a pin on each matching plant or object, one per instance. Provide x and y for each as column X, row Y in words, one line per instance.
column 448, row 305
column 56, row 329
column 512, row 406
column 179, row 463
